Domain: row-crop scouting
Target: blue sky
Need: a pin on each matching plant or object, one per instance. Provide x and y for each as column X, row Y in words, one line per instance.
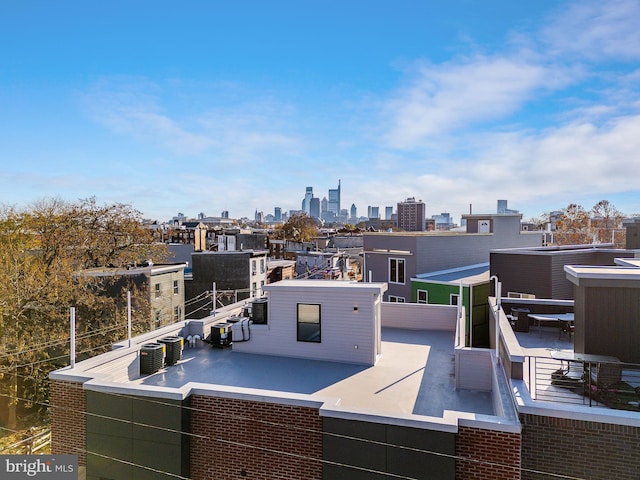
column 204, row 106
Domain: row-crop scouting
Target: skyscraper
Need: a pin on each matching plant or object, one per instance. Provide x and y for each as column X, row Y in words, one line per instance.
column 306, row 203
column 411, row 215
column 314, row 207
column 334, row 200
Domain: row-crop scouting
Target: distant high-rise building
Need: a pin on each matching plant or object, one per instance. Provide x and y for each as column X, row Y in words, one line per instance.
column 443, row 221
column 277, row 214
column 314, row 207
column 354, row 213
column 306, row 203
column 324, row 205
column 373, row 212
column 334, row 200
column 388, row 211
column 259, row 216
column 411, row 215
column 224, row 214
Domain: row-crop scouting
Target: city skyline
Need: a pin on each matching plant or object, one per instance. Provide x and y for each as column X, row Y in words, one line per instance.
column 221, row 107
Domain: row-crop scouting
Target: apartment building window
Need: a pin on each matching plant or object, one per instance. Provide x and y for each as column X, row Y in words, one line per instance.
column 453, row 299
column 254, row 289
column 176, row 314
column 396, row 270
column 157, row 318
column 262, row 265
column 395, row 299
column 309, row 325
column 423, row 296
column 157, row 290
column 176, row 287
column 253, row 267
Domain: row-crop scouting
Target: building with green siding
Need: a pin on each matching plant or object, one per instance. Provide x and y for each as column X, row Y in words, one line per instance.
column 445, row 288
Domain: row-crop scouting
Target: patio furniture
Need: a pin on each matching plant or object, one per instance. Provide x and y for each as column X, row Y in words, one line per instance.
column 563, row 320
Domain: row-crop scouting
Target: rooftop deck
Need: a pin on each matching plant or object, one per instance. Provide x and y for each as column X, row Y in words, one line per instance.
column 414, row 377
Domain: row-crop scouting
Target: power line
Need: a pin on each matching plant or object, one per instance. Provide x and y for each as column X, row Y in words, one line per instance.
column 291, row 427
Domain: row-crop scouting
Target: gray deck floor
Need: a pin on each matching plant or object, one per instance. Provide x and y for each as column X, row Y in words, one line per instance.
column 413, row 376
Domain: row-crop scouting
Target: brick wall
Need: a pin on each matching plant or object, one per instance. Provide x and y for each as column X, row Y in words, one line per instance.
column 490, row 454
column 577, row 448
column 68, row 419
column 233, row 439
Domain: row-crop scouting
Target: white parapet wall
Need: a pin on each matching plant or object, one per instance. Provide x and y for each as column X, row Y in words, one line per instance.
column 419, row 316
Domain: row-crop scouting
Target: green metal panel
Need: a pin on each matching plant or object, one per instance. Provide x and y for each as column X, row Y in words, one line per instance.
column 440, row 294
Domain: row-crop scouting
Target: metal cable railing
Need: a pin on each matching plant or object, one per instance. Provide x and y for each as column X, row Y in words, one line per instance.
column 591, row 383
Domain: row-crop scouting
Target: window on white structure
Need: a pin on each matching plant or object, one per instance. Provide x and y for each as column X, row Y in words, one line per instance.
column 309, row 323
column 453, row 299
column 157, row 289
column 176, row 287
column 423, row 296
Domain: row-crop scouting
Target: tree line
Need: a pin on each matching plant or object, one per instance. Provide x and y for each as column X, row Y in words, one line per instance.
column 576, row 225
column 43, row 251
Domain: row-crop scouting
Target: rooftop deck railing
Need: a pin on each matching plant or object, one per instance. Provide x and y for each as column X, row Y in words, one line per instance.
column 589, row 383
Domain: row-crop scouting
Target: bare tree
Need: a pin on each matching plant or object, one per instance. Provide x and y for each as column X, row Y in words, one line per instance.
column 607, row 223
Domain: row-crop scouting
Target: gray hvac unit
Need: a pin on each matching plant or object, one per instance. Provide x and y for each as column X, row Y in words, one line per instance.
column 151, row 358
column 259, row 311
column 174, row 349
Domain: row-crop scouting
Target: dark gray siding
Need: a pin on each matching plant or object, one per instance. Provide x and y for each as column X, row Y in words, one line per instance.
column 523, row 273
column 541, row 272
column 607, row 322
column 229, row 270
column 355, row 450
column 136, row 431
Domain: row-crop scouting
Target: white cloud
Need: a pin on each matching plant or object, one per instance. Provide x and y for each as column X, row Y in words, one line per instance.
column 596, row 30
column 139, row 109
column 571, row 161
column 450, row 96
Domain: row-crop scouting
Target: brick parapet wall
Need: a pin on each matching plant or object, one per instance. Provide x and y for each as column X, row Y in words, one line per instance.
column 68, row 419
column 487, row 454
column 578, row 448
column 263, row 441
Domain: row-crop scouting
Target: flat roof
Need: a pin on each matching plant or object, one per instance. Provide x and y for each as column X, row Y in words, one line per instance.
column 470, row 274
column 412, row 380
column 577, row 273
column 326, row 284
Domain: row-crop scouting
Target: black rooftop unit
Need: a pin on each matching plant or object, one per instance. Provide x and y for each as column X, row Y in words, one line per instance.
column 259, row 311
column 174, row 349
column 151, row 358
column 220, row 335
